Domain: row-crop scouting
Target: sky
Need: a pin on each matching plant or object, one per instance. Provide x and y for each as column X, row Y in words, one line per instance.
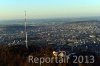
column 14, row 9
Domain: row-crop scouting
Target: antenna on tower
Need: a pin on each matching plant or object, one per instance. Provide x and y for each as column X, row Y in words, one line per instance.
column 26, row 32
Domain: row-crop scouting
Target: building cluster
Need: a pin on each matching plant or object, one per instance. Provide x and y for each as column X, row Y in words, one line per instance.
column 72, row 34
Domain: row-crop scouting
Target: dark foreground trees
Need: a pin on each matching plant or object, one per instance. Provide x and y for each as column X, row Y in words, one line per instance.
column 18, row 56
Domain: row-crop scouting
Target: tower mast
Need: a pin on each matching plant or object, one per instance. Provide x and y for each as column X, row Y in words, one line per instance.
column 26, row 32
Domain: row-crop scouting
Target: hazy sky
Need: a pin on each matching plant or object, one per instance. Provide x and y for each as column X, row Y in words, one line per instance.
column 13, row 9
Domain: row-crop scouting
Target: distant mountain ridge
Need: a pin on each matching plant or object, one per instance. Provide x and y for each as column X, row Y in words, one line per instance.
column 49, row 20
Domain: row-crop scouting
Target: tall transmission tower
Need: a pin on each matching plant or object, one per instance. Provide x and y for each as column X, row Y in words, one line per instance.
column 26, row 41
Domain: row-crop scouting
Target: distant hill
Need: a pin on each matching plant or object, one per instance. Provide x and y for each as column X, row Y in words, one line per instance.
column 48, row 20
